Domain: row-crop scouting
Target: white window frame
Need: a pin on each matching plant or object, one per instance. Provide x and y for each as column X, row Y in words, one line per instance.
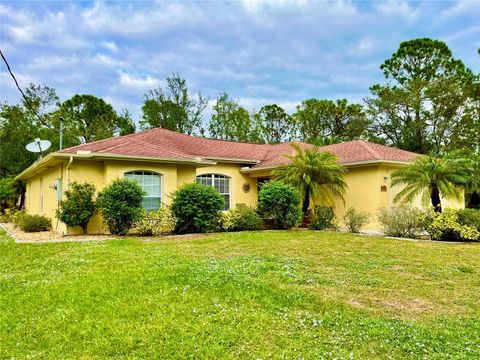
column 143, row 173
column 212, row 184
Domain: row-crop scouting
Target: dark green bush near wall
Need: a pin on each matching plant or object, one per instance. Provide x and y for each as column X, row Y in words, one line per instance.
column 31, row 223
column 121, row 205
column 322, row 217
column 281, row 203
column 197, row 208
column 469, row 217
column 78, row 206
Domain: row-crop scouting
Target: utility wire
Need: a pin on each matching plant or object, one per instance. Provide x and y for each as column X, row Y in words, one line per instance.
column 27, row 101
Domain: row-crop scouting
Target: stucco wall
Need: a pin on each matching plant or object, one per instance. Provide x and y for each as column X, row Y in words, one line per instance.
column 99, row 173
column 237, row 180
column 364, row 191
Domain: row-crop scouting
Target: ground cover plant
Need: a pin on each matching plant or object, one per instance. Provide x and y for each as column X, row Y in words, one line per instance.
column 268, row 294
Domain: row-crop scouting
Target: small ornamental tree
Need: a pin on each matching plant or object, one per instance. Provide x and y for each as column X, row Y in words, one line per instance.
column 121, row 205
column 281, row 203
column 197, row 208
column 78, row 206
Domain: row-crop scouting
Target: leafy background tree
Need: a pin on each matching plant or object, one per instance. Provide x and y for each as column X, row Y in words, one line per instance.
column 173, row 108
column 424, row 98
column 89, row 118
column 274, row 125
column 229, row 121
column 319, row 119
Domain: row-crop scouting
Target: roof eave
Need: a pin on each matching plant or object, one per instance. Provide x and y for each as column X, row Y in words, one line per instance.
column 347, row 164
column 28, row 172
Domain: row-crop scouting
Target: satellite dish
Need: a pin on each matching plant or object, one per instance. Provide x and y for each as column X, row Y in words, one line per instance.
column 38, row 146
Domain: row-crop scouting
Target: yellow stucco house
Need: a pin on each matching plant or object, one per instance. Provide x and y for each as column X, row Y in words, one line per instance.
column 162, row 160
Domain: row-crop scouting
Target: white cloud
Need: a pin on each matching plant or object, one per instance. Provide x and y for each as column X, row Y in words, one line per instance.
column 260, row 52
column 110, row 45
column 397, row 8
column 462, row 7
column 138, row 83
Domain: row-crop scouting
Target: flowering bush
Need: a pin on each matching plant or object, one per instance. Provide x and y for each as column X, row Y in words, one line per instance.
column 446, row 226
column 156, row 222
column 240, row 219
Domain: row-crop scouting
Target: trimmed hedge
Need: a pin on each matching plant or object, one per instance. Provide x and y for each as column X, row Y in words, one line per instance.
column 31, row 223
column 281, row 203
column 121, row 205
column 196, row 208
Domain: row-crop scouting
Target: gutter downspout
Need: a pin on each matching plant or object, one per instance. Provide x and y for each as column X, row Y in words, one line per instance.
column 68, row 176
column 68, row 171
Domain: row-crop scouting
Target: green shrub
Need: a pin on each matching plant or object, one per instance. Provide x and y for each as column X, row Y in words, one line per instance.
column 32, row 223
column 241, row 219
column 156, row 222
column 401, row 221
column 121, row 205
column 446, row 226
column 281, row 203
column 322, row 217
column 78, row 206
column 354, row 219
column 469, row 217
column 8, row 215
column 197, row 208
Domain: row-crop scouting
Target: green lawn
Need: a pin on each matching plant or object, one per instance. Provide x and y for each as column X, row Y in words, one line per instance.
column 250, row 295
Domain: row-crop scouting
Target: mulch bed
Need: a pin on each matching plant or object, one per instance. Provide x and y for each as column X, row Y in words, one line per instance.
column 47, row 236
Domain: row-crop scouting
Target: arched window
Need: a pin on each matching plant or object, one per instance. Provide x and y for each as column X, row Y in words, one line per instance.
column 220, row 182
column 151, row 183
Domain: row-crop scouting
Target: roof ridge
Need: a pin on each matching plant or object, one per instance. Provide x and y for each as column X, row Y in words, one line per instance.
column 185, row 155
column 367, row 147
column 112, row 138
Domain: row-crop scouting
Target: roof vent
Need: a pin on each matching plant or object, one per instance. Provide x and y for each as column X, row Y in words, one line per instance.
column 84, row 152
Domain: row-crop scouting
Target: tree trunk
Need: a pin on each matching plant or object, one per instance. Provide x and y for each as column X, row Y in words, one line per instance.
column 84, row 228
column 435, row 197
column 474, row 202
column 306, row 203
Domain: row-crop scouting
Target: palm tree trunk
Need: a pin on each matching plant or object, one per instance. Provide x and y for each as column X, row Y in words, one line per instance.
column 306, row 203
column 435, row 197
column 474, row 202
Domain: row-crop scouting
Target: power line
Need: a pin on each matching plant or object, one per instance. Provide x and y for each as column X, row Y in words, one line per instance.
column 18, row 86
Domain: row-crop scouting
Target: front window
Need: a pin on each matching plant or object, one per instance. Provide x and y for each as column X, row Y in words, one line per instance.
column 151, row 183
column 220, row 182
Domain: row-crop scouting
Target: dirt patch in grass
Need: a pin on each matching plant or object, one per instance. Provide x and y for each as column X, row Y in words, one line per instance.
column 411, row 306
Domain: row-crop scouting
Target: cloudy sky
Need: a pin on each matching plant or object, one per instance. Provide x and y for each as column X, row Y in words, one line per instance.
column 259, row 51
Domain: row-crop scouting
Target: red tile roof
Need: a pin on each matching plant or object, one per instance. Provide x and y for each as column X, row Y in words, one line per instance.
column 164, row 143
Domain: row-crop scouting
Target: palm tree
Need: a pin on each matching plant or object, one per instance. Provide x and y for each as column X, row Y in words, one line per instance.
column 316, row 175
column 431, row 178
column 473, row 183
